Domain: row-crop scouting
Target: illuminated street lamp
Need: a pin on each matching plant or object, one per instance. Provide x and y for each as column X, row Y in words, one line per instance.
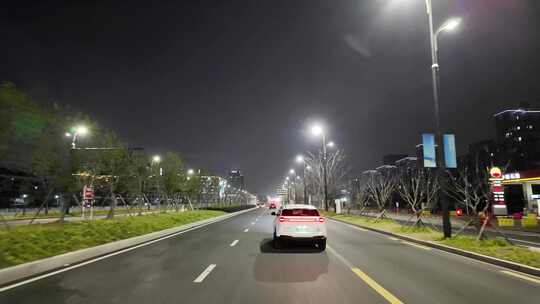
column 156, row 159
column 291, row 172
column 190, row 172
column 77, row 131
column 450, row 25
column 331, row 144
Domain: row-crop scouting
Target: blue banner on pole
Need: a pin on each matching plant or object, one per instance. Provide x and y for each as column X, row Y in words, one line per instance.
column 450, row 151
column 428, row 145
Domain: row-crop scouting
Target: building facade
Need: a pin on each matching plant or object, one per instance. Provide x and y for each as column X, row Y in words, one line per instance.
column 236, row 179
column 518, row 136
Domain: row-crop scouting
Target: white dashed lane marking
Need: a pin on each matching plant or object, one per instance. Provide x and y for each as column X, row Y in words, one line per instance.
column 205, row 273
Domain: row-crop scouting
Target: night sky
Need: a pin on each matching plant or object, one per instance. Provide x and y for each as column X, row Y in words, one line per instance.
column 233, row 84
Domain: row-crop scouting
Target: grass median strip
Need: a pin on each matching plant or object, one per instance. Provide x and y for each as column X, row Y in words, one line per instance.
column 500, row 249
column 56, row 214
column 23, row 244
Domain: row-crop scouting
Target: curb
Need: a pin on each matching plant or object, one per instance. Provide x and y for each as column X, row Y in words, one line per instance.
column 473, row 255
column 17, row 273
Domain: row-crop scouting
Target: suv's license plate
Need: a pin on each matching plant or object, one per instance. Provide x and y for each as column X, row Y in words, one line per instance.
column 301, row 228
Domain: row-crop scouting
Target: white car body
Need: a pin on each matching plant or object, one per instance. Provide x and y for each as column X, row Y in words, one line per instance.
column 300, row 222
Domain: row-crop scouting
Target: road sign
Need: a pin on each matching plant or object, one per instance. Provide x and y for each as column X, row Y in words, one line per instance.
column 88, row 193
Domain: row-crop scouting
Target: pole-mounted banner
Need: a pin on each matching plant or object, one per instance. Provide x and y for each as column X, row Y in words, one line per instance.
column 449, row 142
column 428, row 146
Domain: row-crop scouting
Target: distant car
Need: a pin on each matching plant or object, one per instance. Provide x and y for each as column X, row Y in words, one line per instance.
column 299, row 222
column 272, row 206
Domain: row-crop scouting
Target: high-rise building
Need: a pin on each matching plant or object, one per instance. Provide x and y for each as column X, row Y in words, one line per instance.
column 518, row 135
column 484, row 154
column 236, row 179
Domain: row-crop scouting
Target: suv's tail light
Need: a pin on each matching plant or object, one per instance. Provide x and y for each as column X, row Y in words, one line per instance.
column 281, row 219
column 321, row 219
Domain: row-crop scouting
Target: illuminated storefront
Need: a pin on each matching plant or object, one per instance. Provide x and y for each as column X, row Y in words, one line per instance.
column 529, row 183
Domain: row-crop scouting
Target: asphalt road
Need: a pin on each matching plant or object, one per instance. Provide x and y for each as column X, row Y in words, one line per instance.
column 233, row 262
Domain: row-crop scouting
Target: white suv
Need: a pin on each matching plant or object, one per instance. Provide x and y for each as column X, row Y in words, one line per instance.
column 299, row 222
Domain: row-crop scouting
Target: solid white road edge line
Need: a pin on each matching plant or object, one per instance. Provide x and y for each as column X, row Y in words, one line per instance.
column 521, row 276
column 351, row 226
column 416, row 245
column 205, row 273
column 340, row 257
column 234, row 243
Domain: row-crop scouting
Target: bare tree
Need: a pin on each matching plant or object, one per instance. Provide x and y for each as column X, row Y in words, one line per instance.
column 380, row 185
column 360, row 197
column 418, row 188
column 337, row 169
column 469, row 187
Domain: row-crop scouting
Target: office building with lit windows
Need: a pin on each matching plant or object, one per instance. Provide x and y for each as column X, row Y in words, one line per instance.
column 236, row 180
column 518, row 142
column 518, row 136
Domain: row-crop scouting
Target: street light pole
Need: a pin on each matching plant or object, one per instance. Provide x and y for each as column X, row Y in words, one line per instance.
column 156, row 160
column 305, row 184
column 447, row 228
column 324, row 172
column 318, row 130
column 288, row 192
column 302, row 160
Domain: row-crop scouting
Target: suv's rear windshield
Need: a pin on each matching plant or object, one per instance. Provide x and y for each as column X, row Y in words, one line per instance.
column 299, row 212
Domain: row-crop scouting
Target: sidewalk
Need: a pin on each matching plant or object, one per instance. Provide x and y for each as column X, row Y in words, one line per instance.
column 527, row 237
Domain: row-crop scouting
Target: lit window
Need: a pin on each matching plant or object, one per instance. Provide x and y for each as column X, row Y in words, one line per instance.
column 519, row 138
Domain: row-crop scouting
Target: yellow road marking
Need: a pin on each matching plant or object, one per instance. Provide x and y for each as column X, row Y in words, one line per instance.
column 521, row 276
column 378, row 288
